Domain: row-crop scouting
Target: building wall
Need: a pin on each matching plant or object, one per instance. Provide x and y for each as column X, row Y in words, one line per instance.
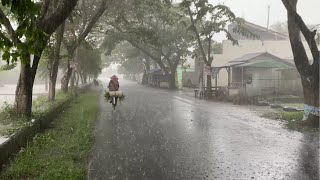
column 281, row 49
column 290, row 82
column 193, row 75
column 264, row 81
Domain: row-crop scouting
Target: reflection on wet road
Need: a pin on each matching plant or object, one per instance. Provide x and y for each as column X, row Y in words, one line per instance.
column 157, row 134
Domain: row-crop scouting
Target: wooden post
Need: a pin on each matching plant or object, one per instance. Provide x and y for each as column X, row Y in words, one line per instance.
column 216, row 89
column 242, row 80
column 229, row 73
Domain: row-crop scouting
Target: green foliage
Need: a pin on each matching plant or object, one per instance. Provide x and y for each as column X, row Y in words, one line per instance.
column 111, row 40
column 206, row 19
column 108, row 97
column 8, row 67
column 6, row 113
column 11, row 122
column 61, row 152
column 293, row 120
column 292, row 116
column 41, row 105
column 89, row 60
column 27, row 38
column 240, row 29
column 153, row 28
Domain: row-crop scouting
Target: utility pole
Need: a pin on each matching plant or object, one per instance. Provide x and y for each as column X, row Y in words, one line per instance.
column 268, row 17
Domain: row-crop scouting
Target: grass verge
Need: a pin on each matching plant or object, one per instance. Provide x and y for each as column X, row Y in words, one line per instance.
column 293, row 120
column 11, row 123
column 60, row 152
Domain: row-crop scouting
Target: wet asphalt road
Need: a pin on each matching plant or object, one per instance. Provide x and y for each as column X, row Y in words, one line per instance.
column 158, row 134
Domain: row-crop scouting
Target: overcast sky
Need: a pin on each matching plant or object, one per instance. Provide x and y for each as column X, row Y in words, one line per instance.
column 256, row 11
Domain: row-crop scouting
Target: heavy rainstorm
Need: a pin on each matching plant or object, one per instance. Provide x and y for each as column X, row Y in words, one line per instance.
column 159, row 89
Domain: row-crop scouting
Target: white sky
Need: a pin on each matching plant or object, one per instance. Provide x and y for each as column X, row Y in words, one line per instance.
column 256, row 11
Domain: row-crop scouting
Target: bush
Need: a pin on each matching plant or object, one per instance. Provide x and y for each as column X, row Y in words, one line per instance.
column 293, row 120
column 292, row 116
column 6, row 112
column 40, row 106
column 60, row 152
column 10, row 120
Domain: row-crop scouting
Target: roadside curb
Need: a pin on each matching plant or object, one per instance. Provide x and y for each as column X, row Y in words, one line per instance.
column 21, row 138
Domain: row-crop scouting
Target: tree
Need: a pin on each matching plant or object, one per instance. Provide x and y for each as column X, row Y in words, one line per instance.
column 309, row 72
column 50, row 61
column 280, row 27
column 89, row 60
column 54, row 62
column 205, row 21
column 131, row 60
column 152, row 27
column 78, row 30
column 27, row 41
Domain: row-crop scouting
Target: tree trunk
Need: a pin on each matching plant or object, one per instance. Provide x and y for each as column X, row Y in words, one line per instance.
column 46, row 83
column 23, row 97
column 81, row 77
column 67, row 75
column 209, row 87
column 209, row 84
column 52, row 80
column 72, row 82
column 309, row 73
column 77, row 79
column 85, row 78
column 311, row 101
column 65, row 79
column 172, row 80
column 52, row 89
column 53, row 71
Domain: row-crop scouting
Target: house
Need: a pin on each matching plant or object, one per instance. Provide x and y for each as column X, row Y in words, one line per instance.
column 269, row 41
column 259, row 74
column 275, row 45
column 278, row 48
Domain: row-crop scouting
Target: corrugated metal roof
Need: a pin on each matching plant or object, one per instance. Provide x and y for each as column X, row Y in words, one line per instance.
column 265, row 64
column 253, row 60
column 247, row 57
